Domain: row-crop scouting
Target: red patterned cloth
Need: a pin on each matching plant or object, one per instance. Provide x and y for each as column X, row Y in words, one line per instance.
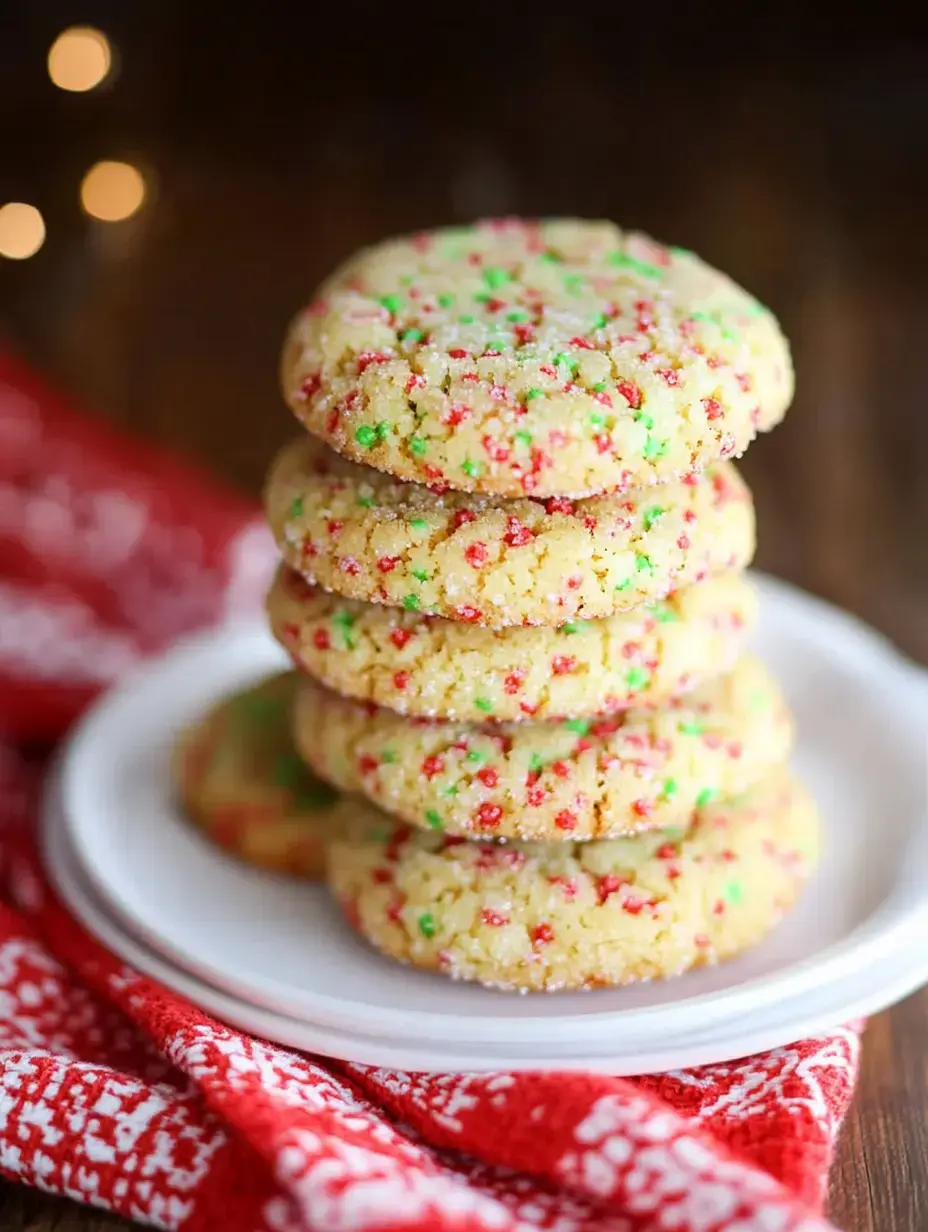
column 116, row 1092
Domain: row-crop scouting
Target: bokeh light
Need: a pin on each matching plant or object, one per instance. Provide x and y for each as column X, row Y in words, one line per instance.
column 112, row 191
column 79, row 59
column 22, row 230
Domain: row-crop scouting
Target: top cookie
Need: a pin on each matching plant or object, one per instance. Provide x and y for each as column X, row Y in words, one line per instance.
column 559, row 357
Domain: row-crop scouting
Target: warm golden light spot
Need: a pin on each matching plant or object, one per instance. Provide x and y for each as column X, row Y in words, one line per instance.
column 112, row 191
column 22, row 230
column 79, row 59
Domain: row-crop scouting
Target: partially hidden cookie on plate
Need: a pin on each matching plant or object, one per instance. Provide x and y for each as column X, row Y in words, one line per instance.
column 240, row 780
column 559, row 357
column 642, row 768
column 424, row 665
column 550, row 916
column 483, row 561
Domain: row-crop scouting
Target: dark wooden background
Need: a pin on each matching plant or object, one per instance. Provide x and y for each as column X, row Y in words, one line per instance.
column 792, row 150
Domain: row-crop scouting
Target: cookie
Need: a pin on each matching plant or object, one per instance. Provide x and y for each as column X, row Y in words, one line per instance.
column 423, row 665
column 578, row 779
column 560, row 357
column 550, row 916
column 472, row 558
column 239, row 779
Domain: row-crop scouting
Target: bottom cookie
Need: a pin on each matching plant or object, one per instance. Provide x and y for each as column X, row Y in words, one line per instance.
column 550, row 916
column 239, row 779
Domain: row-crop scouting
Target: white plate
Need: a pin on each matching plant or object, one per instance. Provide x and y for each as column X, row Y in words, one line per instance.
column 862, row 714
column 753, row 1032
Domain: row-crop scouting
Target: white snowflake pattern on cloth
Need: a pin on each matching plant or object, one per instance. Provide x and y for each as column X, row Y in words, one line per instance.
column 52, row 637
column 441, row 1096
column 749, row 1088
column 343, row 1187
column 649, row 1162
column 99, row 1137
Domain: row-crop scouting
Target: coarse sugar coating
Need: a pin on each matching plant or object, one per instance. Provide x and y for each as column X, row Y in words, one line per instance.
column 559, row 357
column 240, row 780
column 550, row 916
column 642, row 768
column 424, row 665
column 368, row 536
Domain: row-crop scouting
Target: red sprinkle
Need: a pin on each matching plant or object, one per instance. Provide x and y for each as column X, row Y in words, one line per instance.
column 367, row 764
column 415, row 382
column 458, row 353
column 513, row 682
column 461, row 517
column 488, row 814
column 542, row 935
column 631, row 393
column 517, row 535
column 476, row 554
column 399, row 638
column 609, row 884
column 401, row 679
column 311, row 385
column 431, row 766
column 566, row 820
column 468, row 613
column 386, row 564
column 493, row 917
column 488, row 776
column 712, row 407
column 458, row 413
column 349, row 565
column 563, row 665
column 321, row 640
column 366, row 358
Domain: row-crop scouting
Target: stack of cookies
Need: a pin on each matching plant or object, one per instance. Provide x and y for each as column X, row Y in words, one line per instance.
column 512, row 582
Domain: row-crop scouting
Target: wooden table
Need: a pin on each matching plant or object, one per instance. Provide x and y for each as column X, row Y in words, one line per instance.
column 808, row 181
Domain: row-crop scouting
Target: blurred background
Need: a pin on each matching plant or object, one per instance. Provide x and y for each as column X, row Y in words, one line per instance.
column 176, row 178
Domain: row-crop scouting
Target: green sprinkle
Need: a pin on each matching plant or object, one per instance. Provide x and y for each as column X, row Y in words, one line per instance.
column 407, row 280
column 483, row 297
column 467, row 319
column 601, row 321
column 575, row 626
column 289, row 771
column 691, row 727
column 451, row 791
column 650, row 516
column 707, row 794
column 476, row 755
column 345, row 620
column 669, row 790
column 392, row 303
column 366, row 502
column 598, row 420
column 637, row 677
column 565, row 361
column 366, row 436
column 433, row 819
column 654, row 448
column 680, row 252
column 516, row 317
column 471, row 468
column 411, row 603
column 573, row 283
column 495, row 277
column 663, row 613
column 536, row 762
column 632, row 263
column 484, row 704
column 534, row 392
column 412, row 335
column 734, row 893
column 315, row 795
column 296, row 509
column 599, row 387
column 445, row 301
column 552, row 257
column 417, row 445
column 580, row 726
column 643, row 563
column 624, row 585
column 420, row 575
column 641, row 417
column 524, row 438
column 427, row 925
column 388, row 757
column 418, row 524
